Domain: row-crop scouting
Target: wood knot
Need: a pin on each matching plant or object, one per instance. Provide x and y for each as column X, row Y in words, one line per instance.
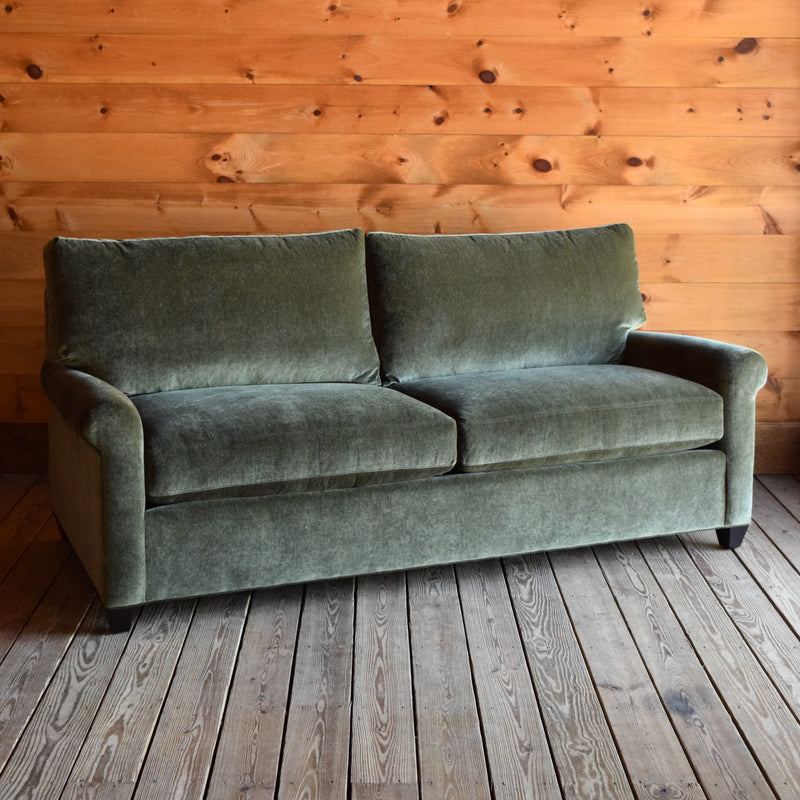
column 746, row 46
column 542, row 165
column 34, row 71
column 452, row 8
column 633, row 161
column 487, row 76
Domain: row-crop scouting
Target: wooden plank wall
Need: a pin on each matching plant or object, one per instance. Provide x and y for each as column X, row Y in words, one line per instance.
column 145, row 117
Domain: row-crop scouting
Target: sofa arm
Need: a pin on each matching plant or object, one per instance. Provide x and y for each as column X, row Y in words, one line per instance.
column 97, row 480
column 736, row 373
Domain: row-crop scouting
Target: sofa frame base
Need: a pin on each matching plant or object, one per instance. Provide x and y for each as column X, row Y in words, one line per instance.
column 120, row 619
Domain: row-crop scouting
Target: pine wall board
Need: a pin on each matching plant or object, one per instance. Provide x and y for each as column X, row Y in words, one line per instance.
column 124, row 118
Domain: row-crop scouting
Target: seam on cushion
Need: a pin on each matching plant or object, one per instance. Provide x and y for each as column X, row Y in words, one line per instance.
column 228, row 487
column 681, row 444
column 583, row 409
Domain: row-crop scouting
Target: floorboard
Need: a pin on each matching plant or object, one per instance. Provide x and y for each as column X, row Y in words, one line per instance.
column 383, row 749
column 650, row 750
column 659, row 668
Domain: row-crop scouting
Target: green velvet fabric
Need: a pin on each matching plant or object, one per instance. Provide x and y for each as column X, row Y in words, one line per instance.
column 97, row 480
column 736, row 373
column 248, row 440
column 151, row 315
column 447, row 305
column 551, row 415
column 227, row 545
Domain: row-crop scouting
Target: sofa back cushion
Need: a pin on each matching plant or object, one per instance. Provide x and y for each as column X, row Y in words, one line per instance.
column 449, row 305
column 150, row 315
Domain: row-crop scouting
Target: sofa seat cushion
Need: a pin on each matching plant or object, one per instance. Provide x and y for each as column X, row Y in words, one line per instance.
column 255, row 440
column 553, row 415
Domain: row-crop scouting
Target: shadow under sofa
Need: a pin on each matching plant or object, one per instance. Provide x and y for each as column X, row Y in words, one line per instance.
column 236, row 412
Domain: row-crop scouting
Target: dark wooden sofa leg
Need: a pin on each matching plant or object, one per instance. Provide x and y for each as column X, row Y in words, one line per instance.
column 731, row 538
column 120, row 619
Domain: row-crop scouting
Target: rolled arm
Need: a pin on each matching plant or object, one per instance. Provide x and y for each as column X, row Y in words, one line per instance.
column 97, row 480
column 734, row 372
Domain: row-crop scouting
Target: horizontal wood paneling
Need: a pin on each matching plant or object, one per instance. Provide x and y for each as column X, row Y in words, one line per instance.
column 162, row 209
column 39, row 107
column 722, row 306
column 714, row 258
column 396, row 158
column 416, row 17
column 122, row 119
column 382, row 59
column 777, row 447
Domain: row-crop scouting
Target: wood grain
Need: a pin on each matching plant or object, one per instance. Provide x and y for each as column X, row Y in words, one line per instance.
column 679, row 117
column 178, row 761
column 143, row 209
column 779, row 400
column 772, row 571
column 80, row 703
column 518, row 751
column 21, row 353
column 724, row 765
column 399, row 109
column 317, row 735
column 785, row 489
column 246, row 763
column 383, row 749
column 27, row 580
column 583, row 749
column 377, row 59
column 420, row 158
column 45, row 753
column 760, row 712
column 761, row 625
column 112, row 756
column 653, row 756
column 23, row 520
column 29, row 667
column 416, row 17
column 715, row 258
column 450, row 748
column 776, row 521
column 719, row 306
column 21, row 397
column 777, row 447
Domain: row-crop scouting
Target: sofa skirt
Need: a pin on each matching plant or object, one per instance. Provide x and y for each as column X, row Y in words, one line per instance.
column 224, row 545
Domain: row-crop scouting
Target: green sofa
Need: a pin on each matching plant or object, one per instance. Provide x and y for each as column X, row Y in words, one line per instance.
column 244, row 411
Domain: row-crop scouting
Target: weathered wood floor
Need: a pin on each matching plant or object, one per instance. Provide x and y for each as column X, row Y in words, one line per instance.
column 664, row 669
